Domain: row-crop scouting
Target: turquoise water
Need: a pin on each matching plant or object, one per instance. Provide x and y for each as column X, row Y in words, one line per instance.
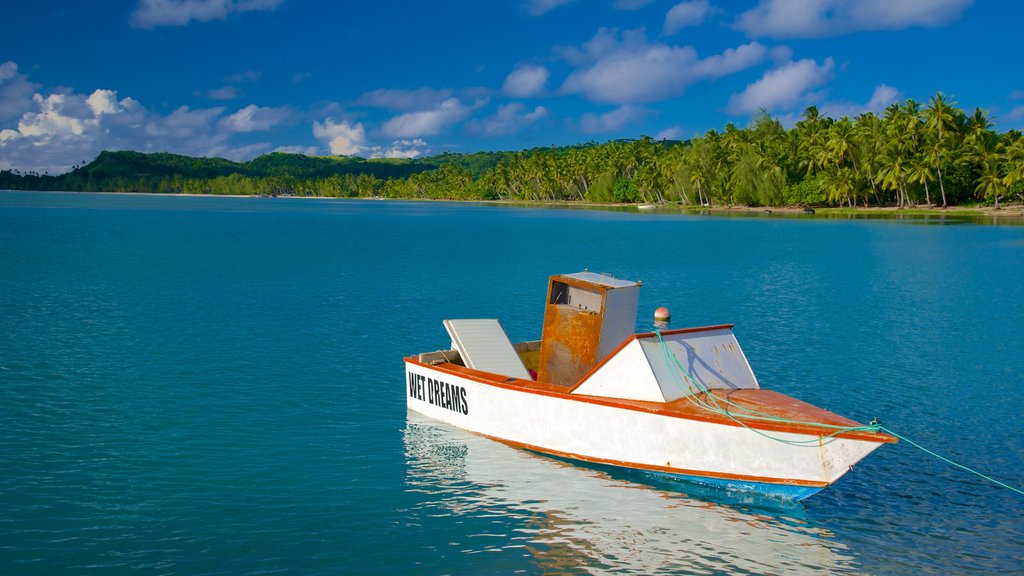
column 215, row 386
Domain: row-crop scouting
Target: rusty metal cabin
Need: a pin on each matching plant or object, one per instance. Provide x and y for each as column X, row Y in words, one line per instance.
column 587, row 316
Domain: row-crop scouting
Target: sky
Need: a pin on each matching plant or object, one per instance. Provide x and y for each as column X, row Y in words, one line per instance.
column 407, row 78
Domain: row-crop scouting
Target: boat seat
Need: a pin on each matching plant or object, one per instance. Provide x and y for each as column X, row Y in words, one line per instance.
column 483, row 345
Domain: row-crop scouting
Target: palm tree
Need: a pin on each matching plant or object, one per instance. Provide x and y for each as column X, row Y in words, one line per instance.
column 811, row 139
column 839, row 142
column 713, row 157
column 991, row 184
column 906, row 151
column 697, row 180
column 1013, row 155
column 893, row 112
column 899, row 148
column 940, row 121
column 920, row 171
column 648, row 171
column 840, row 184
column 773, row 177
column 671, row 164
column 869, row 136
column 984, row 150
column 978, row 127
column 894, row 176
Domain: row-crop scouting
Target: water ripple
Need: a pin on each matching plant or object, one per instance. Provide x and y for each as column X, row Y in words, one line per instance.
column 193, row 386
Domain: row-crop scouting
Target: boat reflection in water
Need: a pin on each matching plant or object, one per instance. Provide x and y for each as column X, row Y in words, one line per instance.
column 572, row 518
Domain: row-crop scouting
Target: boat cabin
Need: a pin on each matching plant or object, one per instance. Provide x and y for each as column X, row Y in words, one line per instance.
column 588, row 347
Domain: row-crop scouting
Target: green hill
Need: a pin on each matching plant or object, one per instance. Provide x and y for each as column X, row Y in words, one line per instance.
column 134, row 165
column 301, row 166
column 143, row 172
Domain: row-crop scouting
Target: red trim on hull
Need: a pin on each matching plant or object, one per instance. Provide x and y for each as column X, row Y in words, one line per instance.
column 765, row 401
column 668, row 469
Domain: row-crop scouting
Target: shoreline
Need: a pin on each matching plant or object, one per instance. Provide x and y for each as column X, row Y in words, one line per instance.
column 1004, row 211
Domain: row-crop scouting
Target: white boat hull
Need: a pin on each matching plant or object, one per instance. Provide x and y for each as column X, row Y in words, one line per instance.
column 584, row 428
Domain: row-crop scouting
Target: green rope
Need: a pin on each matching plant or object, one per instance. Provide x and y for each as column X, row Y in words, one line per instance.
column 712, row 405
column 948, row 461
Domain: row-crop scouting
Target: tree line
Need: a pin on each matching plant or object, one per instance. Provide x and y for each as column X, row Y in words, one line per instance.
column 933, row 154
column 930, row 154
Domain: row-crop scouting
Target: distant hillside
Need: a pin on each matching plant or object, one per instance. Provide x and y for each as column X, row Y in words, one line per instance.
column 906, row 158
column 145, row 171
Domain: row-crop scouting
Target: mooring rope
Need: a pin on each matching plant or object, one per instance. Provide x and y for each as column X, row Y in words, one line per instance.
column 711, row 404
column 951, row 462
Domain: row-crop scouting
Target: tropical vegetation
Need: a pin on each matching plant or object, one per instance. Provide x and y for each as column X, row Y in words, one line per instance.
column 913, row 154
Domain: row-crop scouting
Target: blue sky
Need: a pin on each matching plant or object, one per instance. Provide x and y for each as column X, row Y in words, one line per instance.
column 397, row 78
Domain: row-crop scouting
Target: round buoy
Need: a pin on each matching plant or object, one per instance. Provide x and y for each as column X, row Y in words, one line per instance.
column 662, row 315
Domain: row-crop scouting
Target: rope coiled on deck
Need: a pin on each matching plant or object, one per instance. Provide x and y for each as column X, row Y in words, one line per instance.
column 701, row 396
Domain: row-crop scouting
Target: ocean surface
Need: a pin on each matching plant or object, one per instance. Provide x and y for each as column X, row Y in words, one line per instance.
column 196, row 385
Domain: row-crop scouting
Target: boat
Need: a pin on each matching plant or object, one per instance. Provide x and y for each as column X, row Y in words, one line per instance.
column 646, row 207
column 682, row 403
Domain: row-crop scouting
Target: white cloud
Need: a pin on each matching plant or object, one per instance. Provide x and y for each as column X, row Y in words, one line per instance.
column 605, row 43
column 881, row 97
column 249, row 76
column 65, row 128
column 402, row 149
column 57, row 130
column 541, row 7
column 890, row 15
column 341, row 137
column 783, row 87
column 51, row 120
column 15, row 92
column 240, row 153
column 230, row 91
column 525, row 81
column 731, row 61
column 780, row 54
column 8, row 135
column 8, row 70
column 349, row 139
column 404, row 100
column 509, row 119
column 254, row 118
column 670, row 133
column 783, row 18
column 1016, row 114
column 612, row 121
column 633, row 71
column 427, row 122
column 184, row 123
column 631, row 4
column 224, row 93
column 104, row 102
column 305, row 150
column 822, row 18
column 152, row 13
column 62, row 116
column 690, row 13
